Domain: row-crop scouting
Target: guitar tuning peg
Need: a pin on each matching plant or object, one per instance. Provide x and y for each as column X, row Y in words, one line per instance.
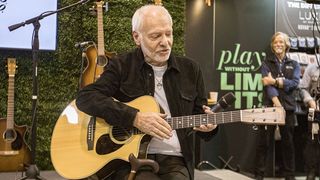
column 106, row 6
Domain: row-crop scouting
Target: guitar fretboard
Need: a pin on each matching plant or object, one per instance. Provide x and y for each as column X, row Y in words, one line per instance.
column 101, row 49
column 10, row 107
column 201, row 119
column 204, row 119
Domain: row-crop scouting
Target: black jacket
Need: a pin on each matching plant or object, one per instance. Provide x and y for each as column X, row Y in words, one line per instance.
column 128, row 76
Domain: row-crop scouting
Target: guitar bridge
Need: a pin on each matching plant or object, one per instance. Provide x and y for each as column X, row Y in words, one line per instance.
column 9, row 153
column 90, row 133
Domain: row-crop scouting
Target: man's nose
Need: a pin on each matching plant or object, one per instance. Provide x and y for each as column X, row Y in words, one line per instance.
column 164, row 40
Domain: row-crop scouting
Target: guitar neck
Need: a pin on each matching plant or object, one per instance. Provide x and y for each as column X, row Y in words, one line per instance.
column 261, row 116
column 200, row 119
column 10, row 107
column 204, row 119
column 101, row 50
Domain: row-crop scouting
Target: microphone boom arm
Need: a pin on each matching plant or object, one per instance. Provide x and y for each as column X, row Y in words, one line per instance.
column 43, row 15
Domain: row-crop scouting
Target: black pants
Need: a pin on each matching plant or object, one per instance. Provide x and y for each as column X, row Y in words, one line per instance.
column 266, row 135
column 171, row 168
column 312, row 153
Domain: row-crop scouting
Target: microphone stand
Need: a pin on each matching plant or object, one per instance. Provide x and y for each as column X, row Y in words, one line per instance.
column 32, row 171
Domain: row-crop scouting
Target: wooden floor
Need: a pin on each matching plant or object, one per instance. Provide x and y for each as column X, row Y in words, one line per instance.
column 199, row 175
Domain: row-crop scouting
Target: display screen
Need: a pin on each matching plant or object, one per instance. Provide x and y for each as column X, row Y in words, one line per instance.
column 18, row 11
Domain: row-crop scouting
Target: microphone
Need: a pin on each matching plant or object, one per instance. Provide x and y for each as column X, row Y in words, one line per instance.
column 224, row 102
column 82, row 44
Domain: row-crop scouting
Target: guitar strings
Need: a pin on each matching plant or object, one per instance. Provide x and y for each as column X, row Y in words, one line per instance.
column 195, row 121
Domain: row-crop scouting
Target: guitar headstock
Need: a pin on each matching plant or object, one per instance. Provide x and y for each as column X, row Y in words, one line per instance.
column 99, row 5
column 264, row 116
column 12, row 66
column 158, row 2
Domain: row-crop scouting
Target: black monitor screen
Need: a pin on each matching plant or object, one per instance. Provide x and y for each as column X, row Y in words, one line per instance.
column 17, row 11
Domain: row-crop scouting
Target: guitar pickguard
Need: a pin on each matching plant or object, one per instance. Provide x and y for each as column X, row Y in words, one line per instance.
column 105, row 145
column 18, row 142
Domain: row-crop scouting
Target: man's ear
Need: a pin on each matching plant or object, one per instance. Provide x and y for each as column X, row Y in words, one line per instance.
column 136, row 38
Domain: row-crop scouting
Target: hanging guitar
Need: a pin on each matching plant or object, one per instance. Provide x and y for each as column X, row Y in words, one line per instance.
column 14, row 153
column 97, row 57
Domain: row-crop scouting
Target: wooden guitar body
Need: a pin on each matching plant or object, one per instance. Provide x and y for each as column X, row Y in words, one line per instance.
column 80, row 147
column 93, row 68
column 16, row 154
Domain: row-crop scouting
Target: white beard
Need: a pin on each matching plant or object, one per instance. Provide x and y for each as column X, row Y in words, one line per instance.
column 156, row 57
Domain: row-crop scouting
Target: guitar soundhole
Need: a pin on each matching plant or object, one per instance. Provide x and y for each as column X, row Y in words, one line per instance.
column 10, row 135
column 14, row 137
column 105, row 145
column 121, row 134
column 102, row 60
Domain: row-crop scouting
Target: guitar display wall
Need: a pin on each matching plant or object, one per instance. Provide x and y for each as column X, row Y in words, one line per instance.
column 303, row 50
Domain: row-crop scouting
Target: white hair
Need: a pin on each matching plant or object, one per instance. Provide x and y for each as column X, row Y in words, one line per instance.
column 138, row 16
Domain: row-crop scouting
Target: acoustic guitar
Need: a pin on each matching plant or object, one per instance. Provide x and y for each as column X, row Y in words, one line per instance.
column 14, row 152
column 81, row 145
column 97, row 57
